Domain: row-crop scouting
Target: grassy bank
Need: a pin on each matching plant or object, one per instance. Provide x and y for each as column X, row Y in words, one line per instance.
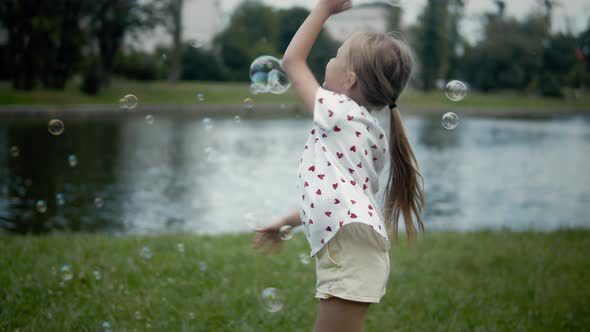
column 185, row 93
column 484, row 281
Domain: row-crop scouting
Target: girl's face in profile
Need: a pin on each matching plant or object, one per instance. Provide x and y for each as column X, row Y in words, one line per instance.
column 336, row 70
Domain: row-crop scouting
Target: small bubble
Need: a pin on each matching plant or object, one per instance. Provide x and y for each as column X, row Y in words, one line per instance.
column 60, row 199
column 66, row 272
column 248, row 103
column 137, row 315
column 304, row 258
column 55, row 127
column 98, row 202
column 180, row 247
column 146, row 253
column 200, row 97
column 14, row 151
column 97, row 275
column 237, row 119
column 456, row 90
column 285, row 232
column 272, row 299
column 197, row 42
column 41, row 206
column 128, row 102
column 149, row 119
column 72, row 160
column 450, row 120
column 395, row 3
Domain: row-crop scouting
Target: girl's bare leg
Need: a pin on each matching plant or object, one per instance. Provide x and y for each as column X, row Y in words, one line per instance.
column 339, row 315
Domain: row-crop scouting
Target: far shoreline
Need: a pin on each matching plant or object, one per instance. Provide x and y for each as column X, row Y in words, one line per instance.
column 275, row 110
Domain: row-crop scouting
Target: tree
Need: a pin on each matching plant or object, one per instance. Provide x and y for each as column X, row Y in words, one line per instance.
column 432, row 42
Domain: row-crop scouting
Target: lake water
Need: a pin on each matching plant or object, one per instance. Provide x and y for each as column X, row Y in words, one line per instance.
column 220, row 175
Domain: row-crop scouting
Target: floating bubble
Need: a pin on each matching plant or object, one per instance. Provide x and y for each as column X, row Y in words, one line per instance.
column 278, row 82
column 66, row 272
column 55, row 127
column 128, row 102
column 456, row 90
column 180, row 247
column 60, row 199
column 395, row 3
column 237, row 119
column 304, row 259
column 98, row 202
column 197, row 42
column 72, row 160
column 248, row 103
column 200, row 97
column 272, row 299
column 41, row 206
column 97, row 275
column 14, row 151
column 264, row 79
column 202, row 266
column 285, row 232
column 149, row 119
column 107, row 327
column 450, row 120
column 137, row 315
column 164, row 57
column 146, row 253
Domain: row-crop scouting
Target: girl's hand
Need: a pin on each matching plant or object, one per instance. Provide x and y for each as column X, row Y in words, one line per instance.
column 336, row 6
column 268, row 238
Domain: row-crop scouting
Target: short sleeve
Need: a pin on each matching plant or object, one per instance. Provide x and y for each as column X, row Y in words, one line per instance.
column 325, row 107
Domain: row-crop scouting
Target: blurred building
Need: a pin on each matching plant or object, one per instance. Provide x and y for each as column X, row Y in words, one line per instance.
column 368, row 17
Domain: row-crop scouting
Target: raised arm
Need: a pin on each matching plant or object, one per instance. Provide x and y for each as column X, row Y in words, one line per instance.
column 295, row 57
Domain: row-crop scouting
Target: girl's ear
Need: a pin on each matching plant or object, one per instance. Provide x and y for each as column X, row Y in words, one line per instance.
column 351, row 80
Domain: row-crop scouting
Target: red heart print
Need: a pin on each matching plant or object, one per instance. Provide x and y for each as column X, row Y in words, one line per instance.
column 366, row 152
column 335, row 185
column 353, row 183
column 303, row 222
column 306, row 147
column 365, row 187
column 358, row 133
column 348, row 212
column 306, row 184
column 341, row 223
column 353, row 216
column 322, row 241
column 370, row 207
column 329, row 214
column 379, row 226
column 374, row 146
column 349, row 117
column 341, row 179
column 363, row 113
column 319, row 192
column 330, row 113
column 324, row 135
column 353, row 201
column 372, row 226
column 329, row 163
column 336, row 201
column 336, row 128
column 316, row 140
column 303, row 197
column 367, row 179
column 311, row 205
column 321, row 176
column 313, row 131
column 303, row 212
column 310, row 222
column 324, row 148
column 329, row 229
column 359, row 165
column 381, row 136
column 311, row 168
column 375, row 158
column 370, row 213
column 321, row 100
column 384, row 150
column 351, row 170
column 340, row 155
column 353, row 148
column 368, row 129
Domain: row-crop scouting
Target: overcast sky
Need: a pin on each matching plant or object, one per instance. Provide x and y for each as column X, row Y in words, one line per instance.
column 574, row 13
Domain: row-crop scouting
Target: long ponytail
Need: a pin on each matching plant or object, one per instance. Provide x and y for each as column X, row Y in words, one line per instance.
column 404, row 194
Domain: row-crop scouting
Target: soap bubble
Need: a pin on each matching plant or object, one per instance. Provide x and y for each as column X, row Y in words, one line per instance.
column 285, row 232
column 450, row 120
column 146, row 253
column 66, row 272
column 98, row 202
column 237, row 119
column 60, row 199
column 107, row 327
column 97, row 275
column 55, row 127
column 149, row 119
column 304, row 258
column 272, row 299
column 456, row 90
column 128, row 102
column 395, row 3
column 41, row 206
column 180, row 247
column 197, row 42
column 200, row 97
column 267, row 75
column 248, row 103
column 72, row 160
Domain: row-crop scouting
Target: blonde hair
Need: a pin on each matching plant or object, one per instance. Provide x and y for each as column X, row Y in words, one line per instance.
column 383, row 66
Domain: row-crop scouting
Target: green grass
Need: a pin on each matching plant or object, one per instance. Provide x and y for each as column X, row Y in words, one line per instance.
column 483, row 281
column 234, row 93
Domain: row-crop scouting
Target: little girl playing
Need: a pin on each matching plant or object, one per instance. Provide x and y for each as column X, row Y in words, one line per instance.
column 340, row 166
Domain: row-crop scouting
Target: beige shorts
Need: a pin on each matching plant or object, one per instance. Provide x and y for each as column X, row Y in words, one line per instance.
column 353, row 265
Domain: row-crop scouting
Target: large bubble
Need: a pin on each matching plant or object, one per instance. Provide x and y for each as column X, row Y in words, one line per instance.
column 267, row 75
column 456, row 90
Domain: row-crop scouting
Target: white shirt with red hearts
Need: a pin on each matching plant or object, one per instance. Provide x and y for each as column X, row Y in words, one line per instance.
column 339, row 169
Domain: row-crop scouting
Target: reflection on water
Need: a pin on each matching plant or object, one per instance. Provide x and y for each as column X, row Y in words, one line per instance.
column 185, row 174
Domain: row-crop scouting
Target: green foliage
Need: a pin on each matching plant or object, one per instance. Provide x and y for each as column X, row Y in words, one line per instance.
column 201, row 64
column 138, row 66
column 90, row 79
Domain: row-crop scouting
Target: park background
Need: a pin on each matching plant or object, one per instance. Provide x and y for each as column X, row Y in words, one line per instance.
column 141, row 219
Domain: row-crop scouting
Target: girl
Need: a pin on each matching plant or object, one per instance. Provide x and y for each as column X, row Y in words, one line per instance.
column 340, row 166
